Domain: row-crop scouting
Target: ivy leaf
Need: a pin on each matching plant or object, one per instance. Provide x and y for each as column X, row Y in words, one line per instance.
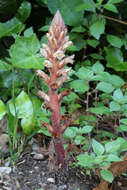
column 107, row 175
column 2, row 109
column 105, row 87
column 114, row 41
column 111, row 7
column 97, row 28
column 97, row 147
column 24, row 53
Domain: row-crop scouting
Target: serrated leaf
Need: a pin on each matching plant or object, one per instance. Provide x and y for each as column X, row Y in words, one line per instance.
column 85, row 160
column 114, row 41
column 114, row 106
column 107, row 175
column 85, row 129
column 79, row 140
column 79, row 86
column 2, row 109
column 105, row 87
column 84, row 73
column 66, row 8
column 70, row 133
column 24, row 53
column 97, row 28
column 111, row 7
column 97, row 147
column 113, row 158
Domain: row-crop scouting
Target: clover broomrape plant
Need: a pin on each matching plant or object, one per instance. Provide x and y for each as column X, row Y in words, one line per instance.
column 55, row 62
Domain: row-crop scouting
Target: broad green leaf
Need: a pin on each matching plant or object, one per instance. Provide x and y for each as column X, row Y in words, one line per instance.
column 78, row 29
column 29, row 125
column 4, row 66
column 100, row 1
column 111, row 7
column 107, row 175
column 12, row 26
column 112, row 147
column 66, row 8
column 105, row 87
column 88, row 5
column 85, row 160
column 28, row 32
column 93, row 43
column 113, row 158
column 79, row 85
column 97, row 67
column 114, row 41
column 96, row 56
column 97, row 28
column 85, row 129
column 116, row 81
column 115, row 1
column 114, row 106
column 44, row 28
column 23, row 105
column 70, row 133
column 24, row 11
column 118, row 95
column 97, row 147
column 84, row 73
column 79, row 140
column 2, row 109
column 124, row 121
column 100, row 110
column 122, row 128
column 24, row 53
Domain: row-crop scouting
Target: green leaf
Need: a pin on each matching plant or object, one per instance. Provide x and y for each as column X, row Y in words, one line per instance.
column 44, row 28
column 114, row 106
column 2, row 109
column 124, row 121
column 100, row 110
column 79, row 140
column 111, row 7
column 88, row 5
column 29, row 125
column 97, row 147
column 105, row 87
column 84, row 73
column 97, row 67
column 85, row 160
column 79, row 86
column 24, row 11
column 24, row 53
column 115, row 1
column 23, row 105
column 4, row 66
column 113, row 158
column 12, row 26
column 114, row 41
column 85, row 129
column 107, row 175
column 112, row 147
column 70, row 133
column 122, row 128
column 78, row 29
column 66, row 8
column 116, row 81
column 93, row 43
column 118, row 95
column 97, row 28
column 28, row 32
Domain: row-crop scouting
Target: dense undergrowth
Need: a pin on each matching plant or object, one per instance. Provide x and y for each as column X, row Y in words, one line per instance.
column 98, row 98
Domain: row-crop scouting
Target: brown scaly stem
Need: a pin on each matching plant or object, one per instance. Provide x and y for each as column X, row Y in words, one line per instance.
column 55, row 62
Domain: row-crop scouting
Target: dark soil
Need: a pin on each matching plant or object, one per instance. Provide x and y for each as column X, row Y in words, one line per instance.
column 30, row 174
